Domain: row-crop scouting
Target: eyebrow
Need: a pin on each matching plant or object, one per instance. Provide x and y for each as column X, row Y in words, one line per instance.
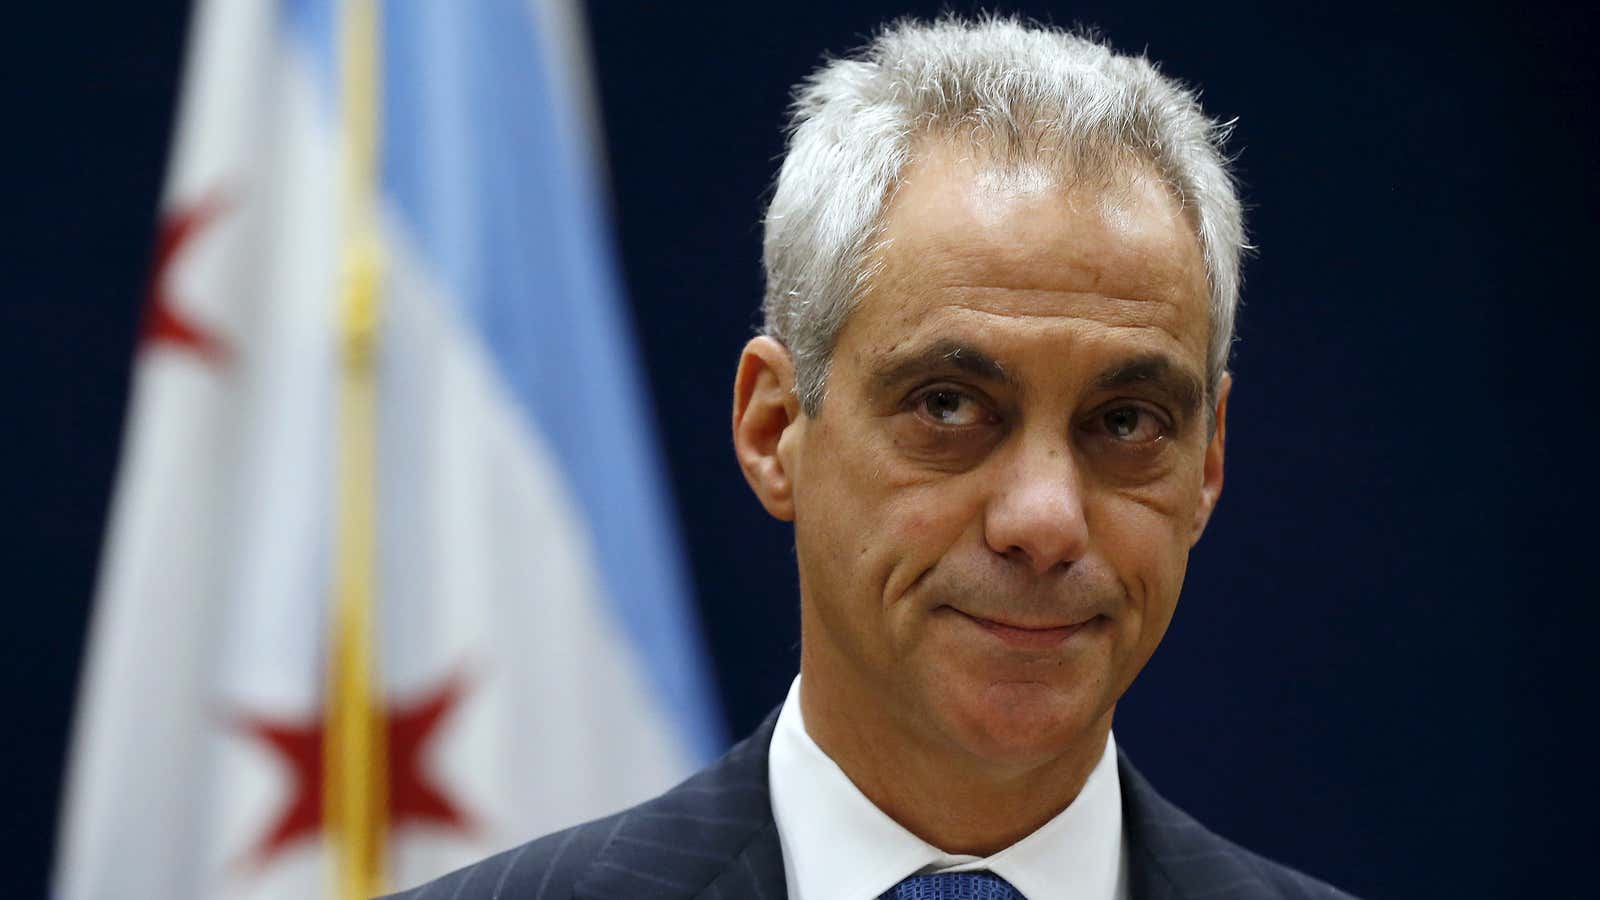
column 942, row 356
column 1171, row 378
column 1176, row 380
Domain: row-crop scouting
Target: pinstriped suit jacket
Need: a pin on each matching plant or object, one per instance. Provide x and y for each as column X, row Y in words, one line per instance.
column 714, row 837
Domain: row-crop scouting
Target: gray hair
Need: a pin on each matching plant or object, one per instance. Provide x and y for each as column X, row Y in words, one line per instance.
column 1018, row 92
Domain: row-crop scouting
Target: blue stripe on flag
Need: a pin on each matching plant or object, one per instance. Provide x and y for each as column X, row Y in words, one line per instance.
column 488, row 166
column 317, row 25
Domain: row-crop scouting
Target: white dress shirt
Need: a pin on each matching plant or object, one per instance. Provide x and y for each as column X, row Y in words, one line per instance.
column 838, row 846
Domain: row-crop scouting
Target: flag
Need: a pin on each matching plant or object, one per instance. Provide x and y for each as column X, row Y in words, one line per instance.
column 391, row 579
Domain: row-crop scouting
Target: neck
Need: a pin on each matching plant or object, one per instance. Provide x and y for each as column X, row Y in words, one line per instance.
column 955, row 800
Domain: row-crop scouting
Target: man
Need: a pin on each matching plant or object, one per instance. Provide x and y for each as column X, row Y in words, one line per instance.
column 992, row 397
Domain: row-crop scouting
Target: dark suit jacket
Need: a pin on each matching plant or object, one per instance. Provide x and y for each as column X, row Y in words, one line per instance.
column 714, row 837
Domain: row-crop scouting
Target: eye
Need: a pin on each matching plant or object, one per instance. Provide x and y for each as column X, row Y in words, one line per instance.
column 951, row 407
column 1132, row 424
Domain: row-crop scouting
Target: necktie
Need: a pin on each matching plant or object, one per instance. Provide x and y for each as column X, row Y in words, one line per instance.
column 954, row 886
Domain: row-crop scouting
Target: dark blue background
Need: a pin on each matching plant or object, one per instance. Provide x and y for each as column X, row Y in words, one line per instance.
column 1380, row 670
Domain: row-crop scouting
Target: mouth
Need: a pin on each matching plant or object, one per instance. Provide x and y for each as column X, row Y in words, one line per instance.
column 1028, row 637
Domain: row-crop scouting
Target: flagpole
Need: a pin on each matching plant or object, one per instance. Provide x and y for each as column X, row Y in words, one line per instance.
column 355, row 793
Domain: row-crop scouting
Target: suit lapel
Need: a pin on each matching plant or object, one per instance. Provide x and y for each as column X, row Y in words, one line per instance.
column 712, row 836
column 756, row 873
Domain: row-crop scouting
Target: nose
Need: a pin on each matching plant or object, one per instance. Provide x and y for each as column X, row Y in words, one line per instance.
column 1035, row 514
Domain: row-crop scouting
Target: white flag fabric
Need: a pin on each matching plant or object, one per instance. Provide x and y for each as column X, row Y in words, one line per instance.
column 535, row 657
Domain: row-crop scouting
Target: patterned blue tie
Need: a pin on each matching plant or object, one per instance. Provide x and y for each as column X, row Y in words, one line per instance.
column 954, row 886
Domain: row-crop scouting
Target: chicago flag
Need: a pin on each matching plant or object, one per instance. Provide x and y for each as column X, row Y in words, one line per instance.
column 391, row 580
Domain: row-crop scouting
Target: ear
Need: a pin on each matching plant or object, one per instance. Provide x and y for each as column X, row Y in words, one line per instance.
column 1211, row 476
column 765, row 409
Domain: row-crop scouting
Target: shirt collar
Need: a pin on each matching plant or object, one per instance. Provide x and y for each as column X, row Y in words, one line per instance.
column 838, row 846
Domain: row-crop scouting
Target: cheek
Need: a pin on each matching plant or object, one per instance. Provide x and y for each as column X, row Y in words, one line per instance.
column 924, row 521
column 908, row 521
column 868, row 522
column 1146, row 544
column 842, row 518
column 1148, row 557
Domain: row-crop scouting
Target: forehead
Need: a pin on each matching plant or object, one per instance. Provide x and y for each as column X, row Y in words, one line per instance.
column 965, row 236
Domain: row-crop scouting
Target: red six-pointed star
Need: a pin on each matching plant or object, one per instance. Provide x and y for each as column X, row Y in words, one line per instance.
column 413, row 795
column 164, row 323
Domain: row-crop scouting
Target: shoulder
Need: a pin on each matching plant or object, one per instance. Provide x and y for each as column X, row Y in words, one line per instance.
column 1222, row 868
column 547, row 867
column 1172, row 855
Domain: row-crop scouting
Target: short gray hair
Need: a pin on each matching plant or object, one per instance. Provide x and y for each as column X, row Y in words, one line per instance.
column 1018, row 91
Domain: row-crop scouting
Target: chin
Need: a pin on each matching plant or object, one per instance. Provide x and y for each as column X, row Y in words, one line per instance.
column 1020, row 724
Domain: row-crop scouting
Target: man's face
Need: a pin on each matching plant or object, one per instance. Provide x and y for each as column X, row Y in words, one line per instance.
column 995, row 503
